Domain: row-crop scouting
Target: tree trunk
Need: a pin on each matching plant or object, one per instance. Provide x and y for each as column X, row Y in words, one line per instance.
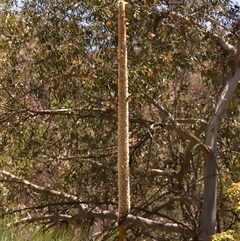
column 210, row 170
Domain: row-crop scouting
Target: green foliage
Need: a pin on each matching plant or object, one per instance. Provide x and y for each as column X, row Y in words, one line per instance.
column 58, row 102
column 224, row 236
column 10, row 233
column 234, row 194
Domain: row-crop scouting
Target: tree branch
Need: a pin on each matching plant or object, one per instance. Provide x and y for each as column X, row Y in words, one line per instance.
column 191, row 20
column 89, row 213
column 183, row 133
column 188, row 156
column 210, row 170
column 111, row 215
column 41, row 190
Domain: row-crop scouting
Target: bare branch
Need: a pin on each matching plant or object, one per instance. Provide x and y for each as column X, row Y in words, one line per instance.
column 131, row 219
column 90, row 213
column 224, row 44
column 188, row 156
column 190, row 19
column 183, row 133
column 39, row 189
column 210, row 169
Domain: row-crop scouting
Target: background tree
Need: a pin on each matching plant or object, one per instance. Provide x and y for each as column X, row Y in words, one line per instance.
column 59, row 120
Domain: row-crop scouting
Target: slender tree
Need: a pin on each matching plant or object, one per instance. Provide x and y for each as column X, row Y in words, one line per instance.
column 123, row 135
column 210, row 169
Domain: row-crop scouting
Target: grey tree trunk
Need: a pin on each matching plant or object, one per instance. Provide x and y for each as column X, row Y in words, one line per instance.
column 210, row 170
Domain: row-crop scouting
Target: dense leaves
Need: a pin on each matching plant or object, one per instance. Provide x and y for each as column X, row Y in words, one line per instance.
column 58, row 101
